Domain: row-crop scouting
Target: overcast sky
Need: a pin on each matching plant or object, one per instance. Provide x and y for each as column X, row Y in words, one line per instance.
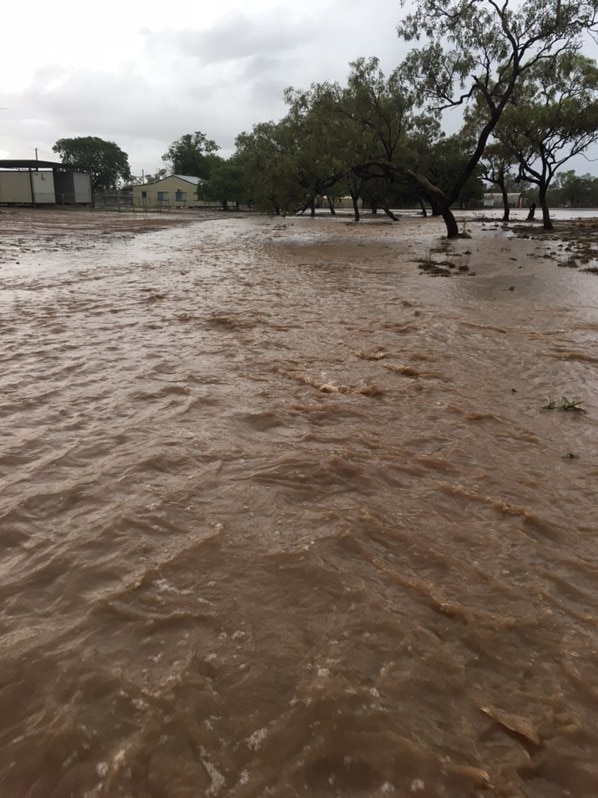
column 144, row 73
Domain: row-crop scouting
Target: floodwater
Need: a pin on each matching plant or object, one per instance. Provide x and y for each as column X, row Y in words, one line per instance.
column 281, row 515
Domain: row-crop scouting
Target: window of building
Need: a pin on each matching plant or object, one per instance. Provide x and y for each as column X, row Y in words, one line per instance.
column 162, row 196
column 181, row 196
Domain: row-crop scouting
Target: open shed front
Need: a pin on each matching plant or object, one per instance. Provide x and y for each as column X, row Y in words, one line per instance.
column 72, row 188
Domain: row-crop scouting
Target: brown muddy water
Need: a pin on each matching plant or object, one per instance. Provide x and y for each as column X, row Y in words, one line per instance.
column 281, row 515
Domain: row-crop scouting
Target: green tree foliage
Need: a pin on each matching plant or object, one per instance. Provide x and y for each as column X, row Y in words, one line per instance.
column 383, row 130
column 268, row 168
column 105, row 162
column 335, row 140
column 378, row 134
column 445, row 161
column 193, row 154
column 378, row 106
column 310, row 133
column 226, row 184
column 553, row 117
column 480, row 51
column 340, row 140
column 577, row 191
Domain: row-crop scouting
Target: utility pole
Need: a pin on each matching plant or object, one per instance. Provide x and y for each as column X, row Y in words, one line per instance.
column 32, row 186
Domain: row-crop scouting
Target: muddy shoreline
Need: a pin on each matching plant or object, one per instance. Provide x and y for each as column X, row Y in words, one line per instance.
column 574, row 239
column 572, row 244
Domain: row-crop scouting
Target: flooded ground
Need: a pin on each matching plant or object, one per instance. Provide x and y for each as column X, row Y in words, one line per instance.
column 282, row 514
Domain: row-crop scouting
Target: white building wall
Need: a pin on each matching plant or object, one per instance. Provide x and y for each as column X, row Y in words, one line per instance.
column 43, row 187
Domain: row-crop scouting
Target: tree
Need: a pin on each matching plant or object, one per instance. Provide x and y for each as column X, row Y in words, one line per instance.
column 105, row 162
column 495, row 169
column 381, row 111
column 268, row 168
column 193, row 154
column 329, row 129
column 481, row 50
column 226, row 183
column 446, row 161
column 575, row 190
column 159, row 175
column 310, row 136
column 554, row 117
column 333, row 138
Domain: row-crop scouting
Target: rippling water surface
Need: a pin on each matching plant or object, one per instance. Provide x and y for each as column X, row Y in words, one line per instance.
column 280, row 515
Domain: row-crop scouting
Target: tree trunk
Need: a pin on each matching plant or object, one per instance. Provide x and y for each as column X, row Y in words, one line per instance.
column 439, row 201
column 389, row 213
column 354, row 200
column 437, row 197
column 545, row 210
column 505, row 202
column 422, row 205
column 331, row 205
column 452, row 230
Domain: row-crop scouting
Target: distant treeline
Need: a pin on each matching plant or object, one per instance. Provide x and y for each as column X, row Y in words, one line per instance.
column 572, row 190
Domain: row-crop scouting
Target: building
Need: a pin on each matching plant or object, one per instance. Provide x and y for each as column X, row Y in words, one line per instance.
column 174, row 191
column 26, row 182
column 495, row 200
column 27, row 187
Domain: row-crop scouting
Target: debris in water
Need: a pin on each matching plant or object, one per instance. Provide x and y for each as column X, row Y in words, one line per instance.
column 513, row 723
column 376, row 354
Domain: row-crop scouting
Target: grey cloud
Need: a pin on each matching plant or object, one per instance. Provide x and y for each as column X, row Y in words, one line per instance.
column 130, row 108
column 238, row 36
column 221, row 81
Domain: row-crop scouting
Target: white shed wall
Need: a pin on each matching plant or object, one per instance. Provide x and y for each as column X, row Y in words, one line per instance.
column 43, row 187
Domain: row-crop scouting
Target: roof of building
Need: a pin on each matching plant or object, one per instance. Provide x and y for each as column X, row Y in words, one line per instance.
column 188, row 178
column 24, row 163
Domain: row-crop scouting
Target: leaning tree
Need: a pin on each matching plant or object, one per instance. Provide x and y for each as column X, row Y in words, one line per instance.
column 378, row 110
column 481, row 50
